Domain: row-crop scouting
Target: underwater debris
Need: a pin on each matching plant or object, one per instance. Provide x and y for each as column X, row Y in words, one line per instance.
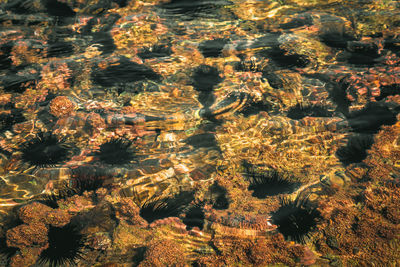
column 270, row 183
column 65, row 245
column 116, row 151
column 296, row 218
column 356, row 149
column 159, row 208
column 205, row 78
column 45, row 150
column 212, row 48
column 299, row 111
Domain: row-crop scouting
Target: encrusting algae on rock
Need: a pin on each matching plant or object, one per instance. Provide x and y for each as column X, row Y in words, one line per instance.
column 199, row 133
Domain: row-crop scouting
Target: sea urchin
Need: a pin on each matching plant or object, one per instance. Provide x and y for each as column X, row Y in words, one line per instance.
column 270, row 183
column 160, row 208
column 296, row 218
column 115, row 152
column 65, row 244
column 44, row 150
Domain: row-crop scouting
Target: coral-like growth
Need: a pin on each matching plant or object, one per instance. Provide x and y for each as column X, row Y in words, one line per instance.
column 116, row 151
column 355, row 149
column 296, row 218
column 205, row 78
column 65, row 246
column 160, row 208
column 299, row 111
column 164, row 253
column 45, row 150
column 270, row 183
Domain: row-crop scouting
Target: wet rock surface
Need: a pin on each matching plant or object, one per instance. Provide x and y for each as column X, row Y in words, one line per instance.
column 214, row 133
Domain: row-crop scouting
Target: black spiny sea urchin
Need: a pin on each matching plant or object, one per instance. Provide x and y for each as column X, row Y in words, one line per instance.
column 65, row 244
column 160, row 208
column 116, row 151
column 296, row 218
column 356, row 149
column 45, row 150
column 270, row 183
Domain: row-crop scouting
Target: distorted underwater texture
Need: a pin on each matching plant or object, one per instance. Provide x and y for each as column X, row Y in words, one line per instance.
column 199, row 133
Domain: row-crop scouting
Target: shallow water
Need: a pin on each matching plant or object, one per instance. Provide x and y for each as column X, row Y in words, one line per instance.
column 199, row 133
